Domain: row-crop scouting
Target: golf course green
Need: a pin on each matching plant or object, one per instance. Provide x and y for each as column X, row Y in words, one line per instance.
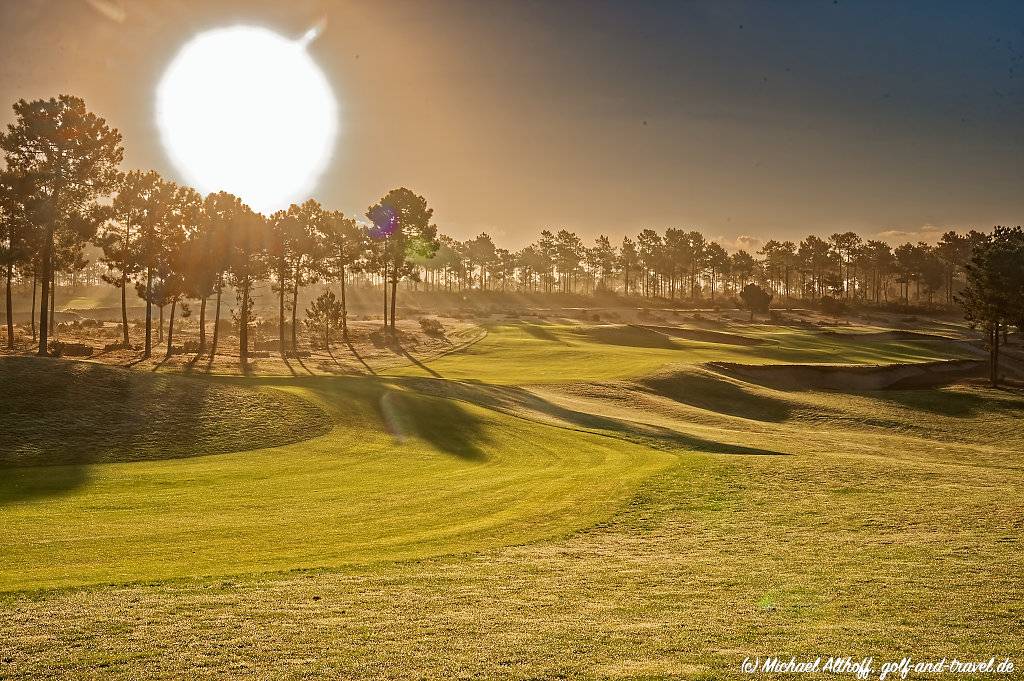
column 601, row 489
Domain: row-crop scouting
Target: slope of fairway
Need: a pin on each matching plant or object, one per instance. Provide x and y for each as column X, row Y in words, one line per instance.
column 889, row 525
column 399, row 476
column 528, row 353
column 60, row 412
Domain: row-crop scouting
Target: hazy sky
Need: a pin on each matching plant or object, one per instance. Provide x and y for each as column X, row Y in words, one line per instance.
column 754, row 119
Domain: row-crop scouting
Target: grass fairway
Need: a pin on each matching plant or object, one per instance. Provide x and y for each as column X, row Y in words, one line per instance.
column 531, row 353
column 399, row 476
column 628, row 513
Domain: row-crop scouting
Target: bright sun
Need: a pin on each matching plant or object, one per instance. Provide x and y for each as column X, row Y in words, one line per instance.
column 245, row 110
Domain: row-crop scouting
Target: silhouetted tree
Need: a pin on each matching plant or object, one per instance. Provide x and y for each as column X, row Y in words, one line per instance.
column 755, row 299
column 247, row 265
column 324, row 314
column 74, row 155
column 132, row 209
column 343, row 248
column 19, row 232
column 629, row 260
column 993, row 296
column 402, row 225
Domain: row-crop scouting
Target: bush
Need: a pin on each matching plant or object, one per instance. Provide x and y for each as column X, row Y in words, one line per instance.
column 89, row 324
column 61, row 349
column 432, row 327
column 755, row 299
column 832, row 306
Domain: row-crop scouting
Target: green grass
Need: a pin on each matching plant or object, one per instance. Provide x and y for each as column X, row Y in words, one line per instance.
column 399, row 475
column 529, row 353
column 629, row 515
column 80, row 413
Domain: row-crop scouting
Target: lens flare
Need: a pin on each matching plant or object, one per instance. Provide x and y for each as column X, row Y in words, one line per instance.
column 248, row 111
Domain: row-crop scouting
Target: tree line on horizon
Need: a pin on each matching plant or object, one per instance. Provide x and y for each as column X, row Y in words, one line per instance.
column 62, row 190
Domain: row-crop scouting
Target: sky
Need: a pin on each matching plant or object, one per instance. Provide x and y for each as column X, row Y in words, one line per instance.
column 746, row 120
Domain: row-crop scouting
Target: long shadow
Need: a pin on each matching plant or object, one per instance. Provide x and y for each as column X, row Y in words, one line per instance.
column 67, row 416
column 513, row 400
column 541, row 332
column 421, row 365
column 628, row 336
column 443, row 423
column 706, row 392
column 359, row 357
column 954, row 403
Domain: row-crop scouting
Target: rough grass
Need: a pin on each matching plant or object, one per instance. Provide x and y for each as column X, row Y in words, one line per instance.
column 58, row 412
column 620, row 518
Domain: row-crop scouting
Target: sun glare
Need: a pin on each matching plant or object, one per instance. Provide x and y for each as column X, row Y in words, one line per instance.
column 245, row 110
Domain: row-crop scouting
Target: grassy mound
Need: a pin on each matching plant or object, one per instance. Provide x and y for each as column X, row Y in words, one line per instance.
column 55, row 412
column 846, row 378
column 703, row 335
column 892, row 335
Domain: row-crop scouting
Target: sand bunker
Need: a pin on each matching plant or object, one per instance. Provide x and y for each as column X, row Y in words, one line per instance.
column 702, row 335
column 854, row 377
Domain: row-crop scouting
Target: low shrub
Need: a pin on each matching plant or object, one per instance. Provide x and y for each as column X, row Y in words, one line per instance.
column 62, row 349
column 432, row 327
column 832, row 306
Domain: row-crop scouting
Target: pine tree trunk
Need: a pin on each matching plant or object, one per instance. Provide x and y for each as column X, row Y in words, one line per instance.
column 344, row 309
column 280, row 314
column 216, row 316
column 170, row 327
column 160, row 326
column 202, row 326
column 394, row 295
column 32, row 316
column 45, row 293
column 384, row 281
column 10, row 307
column 124, row 310
column 243, row 326
column 295, row 306
column 148, row 350
column 53, row 305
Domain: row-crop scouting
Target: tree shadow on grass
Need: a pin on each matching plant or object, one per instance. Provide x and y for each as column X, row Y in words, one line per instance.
column 359, row 357
column 628, row 336
column 515, row 400
column 955, row 403
column 26, row 484
column 421, row 365
column 442, row 423
column 67, row 416
column 717, row 395
column 541, row 332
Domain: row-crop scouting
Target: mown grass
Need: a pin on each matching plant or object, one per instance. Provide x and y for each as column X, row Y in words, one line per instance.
column 399, row 475
column 530, row 353
column 830, row 550
column 61, row 412
column 620, row 519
